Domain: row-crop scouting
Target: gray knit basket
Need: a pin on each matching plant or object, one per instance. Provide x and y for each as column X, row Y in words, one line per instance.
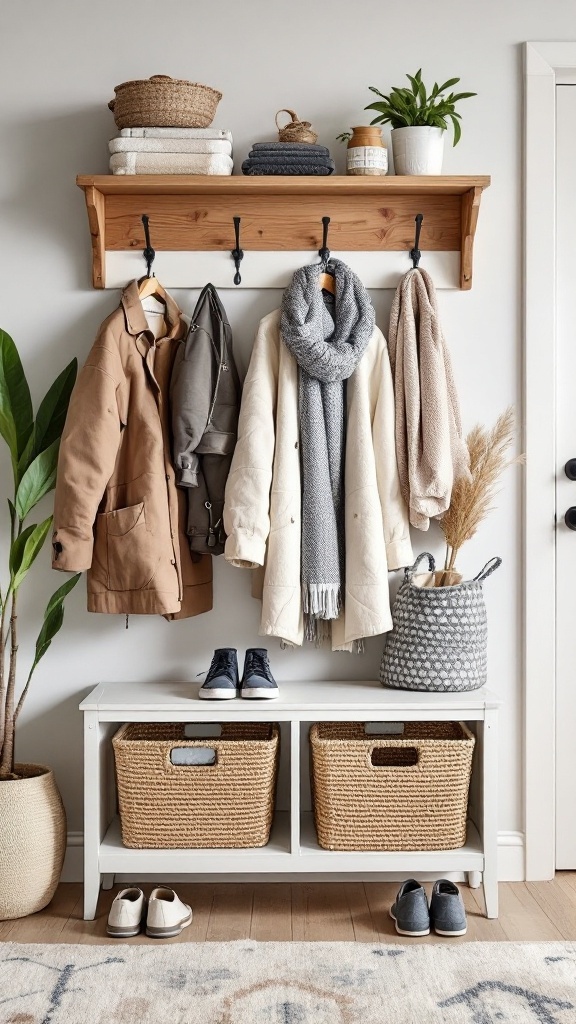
column 439, row 636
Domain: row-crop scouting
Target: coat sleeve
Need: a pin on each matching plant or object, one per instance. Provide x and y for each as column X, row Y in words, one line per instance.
column 88, row 451
column 191, row 390
column 247, row 498
column 394, row 511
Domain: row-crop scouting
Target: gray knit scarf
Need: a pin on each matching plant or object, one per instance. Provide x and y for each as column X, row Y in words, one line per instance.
column 327, row 337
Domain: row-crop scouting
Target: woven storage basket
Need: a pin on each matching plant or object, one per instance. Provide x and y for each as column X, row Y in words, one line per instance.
column 387, row 793
column 227, row 804
column 439, row 639
column 164, row 102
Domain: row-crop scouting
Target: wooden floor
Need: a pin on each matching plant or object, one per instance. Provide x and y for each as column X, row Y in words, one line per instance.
column 348, row 911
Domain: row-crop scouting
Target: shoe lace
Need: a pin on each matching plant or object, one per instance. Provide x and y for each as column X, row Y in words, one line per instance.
column 222, row 664
column 256, row 662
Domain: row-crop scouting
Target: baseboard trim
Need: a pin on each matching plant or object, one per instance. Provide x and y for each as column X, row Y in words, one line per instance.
column 73, row 870
column 511, row 866
column 511, row 857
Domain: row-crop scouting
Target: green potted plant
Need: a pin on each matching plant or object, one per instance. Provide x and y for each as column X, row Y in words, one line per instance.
column 32, row 818
column 419, row 119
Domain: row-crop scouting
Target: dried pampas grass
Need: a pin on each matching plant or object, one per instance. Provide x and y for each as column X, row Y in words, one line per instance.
column 472, row 498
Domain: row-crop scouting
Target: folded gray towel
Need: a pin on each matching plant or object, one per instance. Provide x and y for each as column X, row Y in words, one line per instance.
column 289, row 147
column 289, row 158
column 288, row 168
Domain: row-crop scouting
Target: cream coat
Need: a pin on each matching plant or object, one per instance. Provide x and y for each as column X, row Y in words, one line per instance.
column 263, row 493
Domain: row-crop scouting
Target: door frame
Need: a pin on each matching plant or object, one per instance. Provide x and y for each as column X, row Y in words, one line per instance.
column 546, row 65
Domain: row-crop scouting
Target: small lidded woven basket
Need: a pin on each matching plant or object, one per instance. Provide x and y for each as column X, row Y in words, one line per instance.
column 164, row 102
column 295, row 130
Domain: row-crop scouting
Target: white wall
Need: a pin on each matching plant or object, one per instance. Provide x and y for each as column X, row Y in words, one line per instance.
column 59, row 64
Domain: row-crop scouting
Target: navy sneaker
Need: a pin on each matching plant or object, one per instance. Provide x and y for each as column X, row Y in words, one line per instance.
column 447, row 913
column 410, row 910
column 222, row 682
column 257, row 679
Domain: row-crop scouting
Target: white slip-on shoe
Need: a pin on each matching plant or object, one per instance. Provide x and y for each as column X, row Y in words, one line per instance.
column 126, row 913
column 167, row 915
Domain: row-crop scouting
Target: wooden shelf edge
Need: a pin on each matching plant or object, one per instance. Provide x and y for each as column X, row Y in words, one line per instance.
column 338, row 184
column 338, row 187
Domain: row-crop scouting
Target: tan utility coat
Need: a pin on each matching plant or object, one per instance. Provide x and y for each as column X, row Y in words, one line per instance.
column 262, row 510
column 118, row 512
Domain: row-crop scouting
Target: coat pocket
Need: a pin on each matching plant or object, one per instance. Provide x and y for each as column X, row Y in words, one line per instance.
column 127, row 548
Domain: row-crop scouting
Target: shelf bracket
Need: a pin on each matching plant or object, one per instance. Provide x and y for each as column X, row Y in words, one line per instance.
column 96, row 206
column 470, row 210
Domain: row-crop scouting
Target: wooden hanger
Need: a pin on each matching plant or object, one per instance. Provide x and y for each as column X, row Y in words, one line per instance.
column 151, row 286
column 327, row 283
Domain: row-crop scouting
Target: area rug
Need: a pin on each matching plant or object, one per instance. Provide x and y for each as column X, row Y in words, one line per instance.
column 289, row 983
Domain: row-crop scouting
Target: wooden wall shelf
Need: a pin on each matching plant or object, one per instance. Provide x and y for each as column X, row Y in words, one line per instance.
column 194, row 213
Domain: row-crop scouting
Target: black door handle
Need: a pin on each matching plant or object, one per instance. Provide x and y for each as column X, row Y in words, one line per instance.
column 570, row 469
column 570, row 518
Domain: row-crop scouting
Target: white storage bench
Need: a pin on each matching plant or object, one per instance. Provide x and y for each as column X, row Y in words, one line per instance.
column 293, row 849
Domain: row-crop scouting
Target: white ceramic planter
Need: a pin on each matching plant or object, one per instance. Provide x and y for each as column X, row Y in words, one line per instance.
column 32, row 841
column 418, row 150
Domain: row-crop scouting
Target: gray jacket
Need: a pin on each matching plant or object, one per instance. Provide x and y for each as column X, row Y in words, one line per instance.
column 205, row 398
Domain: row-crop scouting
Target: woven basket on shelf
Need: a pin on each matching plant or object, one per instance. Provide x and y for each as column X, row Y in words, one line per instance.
column 391, row 793
column 228, row 804
column 164, row 102
column 295, row 130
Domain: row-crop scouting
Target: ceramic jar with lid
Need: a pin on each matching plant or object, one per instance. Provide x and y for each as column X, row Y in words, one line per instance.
column 366, row 152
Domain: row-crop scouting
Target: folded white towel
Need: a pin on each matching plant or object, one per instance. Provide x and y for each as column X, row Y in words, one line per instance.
column 176, row 133
column 170, row 146
column 170, row 163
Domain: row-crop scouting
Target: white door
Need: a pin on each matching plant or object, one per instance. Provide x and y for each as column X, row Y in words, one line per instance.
column 565, row 487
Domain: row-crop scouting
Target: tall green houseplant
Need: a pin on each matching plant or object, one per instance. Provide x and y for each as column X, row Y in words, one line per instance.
column 33, row 445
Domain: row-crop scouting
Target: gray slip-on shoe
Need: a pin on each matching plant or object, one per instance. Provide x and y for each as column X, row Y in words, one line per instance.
column 447, row 913
column 410, row 910
column 222, row 682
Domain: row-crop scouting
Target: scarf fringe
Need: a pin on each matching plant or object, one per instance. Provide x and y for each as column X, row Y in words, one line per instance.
column 317, row 631
column 321, row 601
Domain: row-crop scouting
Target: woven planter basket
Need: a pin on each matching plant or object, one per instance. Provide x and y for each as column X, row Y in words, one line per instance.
column 439, row 639
column 390, row 793
column 229, row 804
column 32, row 841
column 164, row 102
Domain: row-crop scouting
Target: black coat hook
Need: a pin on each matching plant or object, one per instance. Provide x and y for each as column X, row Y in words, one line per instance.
column 149, row 253
column 237, row 254
column 415, row 253
column 324, row 252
